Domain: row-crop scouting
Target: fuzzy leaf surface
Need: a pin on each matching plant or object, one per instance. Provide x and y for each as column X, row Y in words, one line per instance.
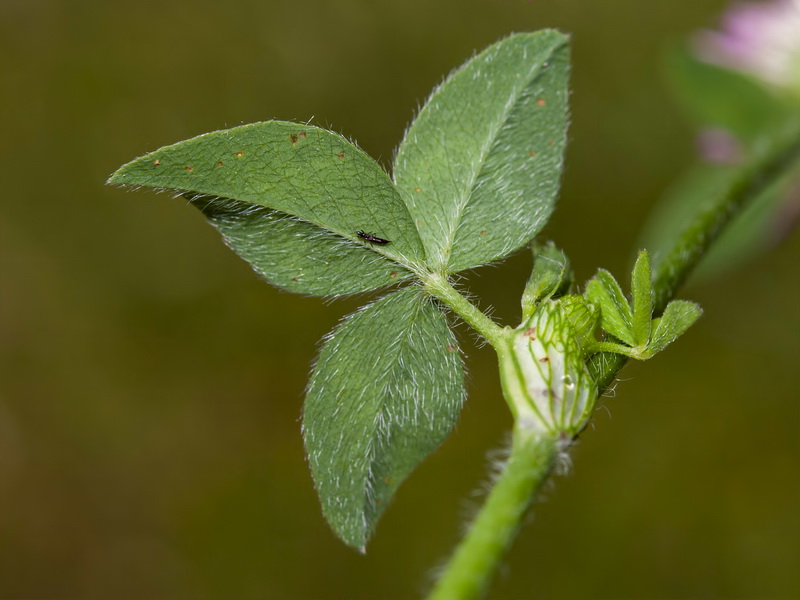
column 296, row 255
column 386, row 390
column 304, row 172
column 480, row 166
column 677, row 318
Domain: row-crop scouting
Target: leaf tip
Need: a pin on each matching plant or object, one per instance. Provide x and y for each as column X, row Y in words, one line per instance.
column 115, row 178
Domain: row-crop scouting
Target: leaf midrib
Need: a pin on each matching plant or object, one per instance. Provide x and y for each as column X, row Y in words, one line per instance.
column 385, row 251
column 404, row 343
column 463, row 202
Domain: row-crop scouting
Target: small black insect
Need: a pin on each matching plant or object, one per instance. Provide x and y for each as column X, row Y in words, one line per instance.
column 371, row 238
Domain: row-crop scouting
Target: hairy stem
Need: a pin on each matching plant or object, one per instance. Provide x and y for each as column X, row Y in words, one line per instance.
column 470, row 570
column 699, row 235
column 440, row 287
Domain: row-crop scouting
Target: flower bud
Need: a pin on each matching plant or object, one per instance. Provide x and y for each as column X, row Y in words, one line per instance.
column 544, row 371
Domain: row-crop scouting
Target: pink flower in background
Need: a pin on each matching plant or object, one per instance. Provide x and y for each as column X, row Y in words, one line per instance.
column 719, row 146
column 759, row 38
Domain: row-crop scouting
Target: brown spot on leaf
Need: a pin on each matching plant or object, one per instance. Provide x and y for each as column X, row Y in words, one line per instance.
column 189, row 168
column 451, row 348
column 531, row 334
column 417, row 190
column 239, row 154
column 219, row 163
column 532, row 154
column 295, row 279
column 302, row 134
column 340, row 155
column 540, row 102
column 551, row 143
column 544, row 359
column 293, row 138
column 483, row 232
column 156, row 162
column 393, row 275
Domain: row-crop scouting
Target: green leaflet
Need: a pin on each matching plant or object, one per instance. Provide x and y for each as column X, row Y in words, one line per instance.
column 385, row 392
column 296, row 255
column 480, row 166
column 305, row 172
column 616, row 313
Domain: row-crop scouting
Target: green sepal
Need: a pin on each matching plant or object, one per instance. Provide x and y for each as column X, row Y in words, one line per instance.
column 632, row 324
column 583, row 316
column 616, row 316
column 677, row 318
column 642, row 292
column 551, row 277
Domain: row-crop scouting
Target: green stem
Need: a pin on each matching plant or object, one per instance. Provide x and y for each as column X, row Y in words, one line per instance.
column 471, row 568
column 439, row 286
column 697, row 238
column 636, row 352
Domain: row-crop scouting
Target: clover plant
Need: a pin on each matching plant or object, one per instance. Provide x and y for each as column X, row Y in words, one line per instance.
column 474, row 180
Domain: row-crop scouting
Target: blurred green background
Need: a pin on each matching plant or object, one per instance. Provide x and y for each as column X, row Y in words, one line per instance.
column 151, row 385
